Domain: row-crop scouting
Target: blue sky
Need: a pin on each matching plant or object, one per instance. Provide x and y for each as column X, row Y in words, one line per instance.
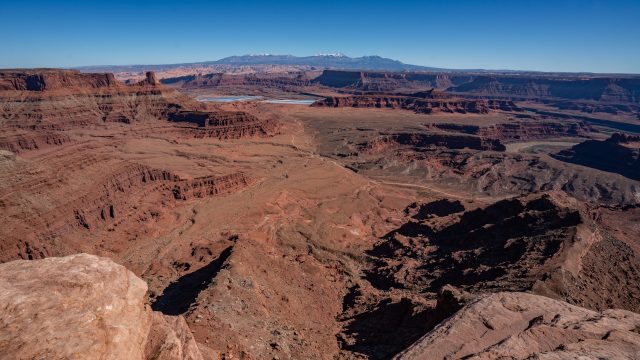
column 563, row 35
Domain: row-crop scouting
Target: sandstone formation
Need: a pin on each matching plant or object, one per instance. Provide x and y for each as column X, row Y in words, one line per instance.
column 617, row 90
column 593, row 107
column 84, row 307
column 127, row 194
column 612, row 89
column 525, row 326
column 547, row 244
column 388, row 81
column 460, row 159
column 36, row 106
column 281, row 81
column 618, row 154
column 520, row 130
column 423, row 141
column 330, row 233
column 222, row 124
column 429, row 105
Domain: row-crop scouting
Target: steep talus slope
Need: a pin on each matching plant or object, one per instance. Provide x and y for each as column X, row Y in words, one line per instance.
column 525, row 326
column 84, row 307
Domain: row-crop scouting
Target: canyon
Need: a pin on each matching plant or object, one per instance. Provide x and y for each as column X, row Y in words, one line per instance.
column 409, row 215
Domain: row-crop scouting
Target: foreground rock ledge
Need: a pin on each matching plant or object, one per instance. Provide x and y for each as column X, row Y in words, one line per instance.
column 525, row 326
column 84, row 307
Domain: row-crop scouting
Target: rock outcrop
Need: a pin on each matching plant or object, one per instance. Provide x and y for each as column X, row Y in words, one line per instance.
column 548, row 244
column 423, row 141
column 37, row 106
column 223, row 124
column 388, row 81
column 84, row 307
column 609, row 89
column 526, row 326
column 127, row 195
column 520, row 130
column 421, row 105
column 280, row 81
column 54, row 79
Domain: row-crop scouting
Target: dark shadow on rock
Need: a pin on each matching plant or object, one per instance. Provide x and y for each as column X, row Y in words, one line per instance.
column 179, row 295
column 499, row 245
column 388, row 329
column 442, row 207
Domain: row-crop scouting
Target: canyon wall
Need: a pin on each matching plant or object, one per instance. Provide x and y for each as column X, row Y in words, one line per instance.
column 533, row 86
column 282, row 81
column 36, row 106
column 520, row 130
column 419, row 105
column 388, row 81
column 607, row 89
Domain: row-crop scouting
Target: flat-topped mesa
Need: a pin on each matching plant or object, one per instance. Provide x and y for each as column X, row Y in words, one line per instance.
column 211, row 119
column 61, row 79
column 432, row 141
column 388, row 81
column 609, row 89
column 432, row 103
column 54, row 79
column 223, row 124
column 215, row 80
column 519, row 130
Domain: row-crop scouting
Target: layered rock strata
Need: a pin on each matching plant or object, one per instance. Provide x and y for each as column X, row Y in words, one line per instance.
column 419, row 105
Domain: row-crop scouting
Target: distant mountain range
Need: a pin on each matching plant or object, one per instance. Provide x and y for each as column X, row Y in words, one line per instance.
column 322, row 61
column 338, row 61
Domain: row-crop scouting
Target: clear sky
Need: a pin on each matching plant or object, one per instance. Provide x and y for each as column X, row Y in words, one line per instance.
column 562, row 35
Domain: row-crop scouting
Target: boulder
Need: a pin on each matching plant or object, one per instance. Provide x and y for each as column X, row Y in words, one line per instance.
column 84, row 307
column 525, row 326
